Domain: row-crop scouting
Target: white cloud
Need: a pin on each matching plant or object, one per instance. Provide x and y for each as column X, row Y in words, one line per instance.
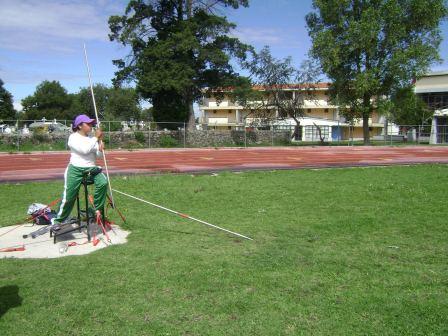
column 29, row 25
column 35, row 76
column 18, row 106
column 278, row 38
column 259, row 35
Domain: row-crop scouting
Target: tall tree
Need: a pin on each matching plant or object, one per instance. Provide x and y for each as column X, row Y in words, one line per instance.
column 7, row 111
column 123, row 104
column 276, row 85
column 408, row 108
column 82, row 101
column 50, row 101
column 369, row 48
column 179, row 48
column 112, row 103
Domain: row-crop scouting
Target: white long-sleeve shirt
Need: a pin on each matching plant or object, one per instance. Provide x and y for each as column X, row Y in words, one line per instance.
column 84, row 150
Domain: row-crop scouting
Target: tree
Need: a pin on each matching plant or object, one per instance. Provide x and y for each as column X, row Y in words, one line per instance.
column 277, row 85
column 179, row 49
column 170, row 107
column 50, row 101
column 82, row 101
column 408, row 108
column 123, row 104
column 369, row 48
column 111, row 103
column 7, row 111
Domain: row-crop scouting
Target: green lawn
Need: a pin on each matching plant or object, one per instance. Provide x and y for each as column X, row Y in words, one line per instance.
column 358, row 251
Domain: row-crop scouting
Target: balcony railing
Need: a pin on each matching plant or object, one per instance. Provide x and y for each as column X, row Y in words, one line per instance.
column 217, row 121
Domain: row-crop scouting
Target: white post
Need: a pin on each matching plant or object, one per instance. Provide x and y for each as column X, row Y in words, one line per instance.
column 433, row 135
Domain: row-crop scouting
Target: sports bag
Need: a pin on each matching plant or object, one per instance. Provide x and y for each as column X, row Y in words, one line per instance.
column 41, row 214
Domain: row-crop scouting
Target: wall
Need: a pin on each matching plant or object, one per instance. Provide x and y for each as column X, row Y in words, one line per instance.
column 154, row 139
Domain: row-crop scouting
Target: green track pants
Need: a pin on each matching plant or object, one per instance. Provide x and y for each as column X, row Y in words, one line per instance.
column 73, row 179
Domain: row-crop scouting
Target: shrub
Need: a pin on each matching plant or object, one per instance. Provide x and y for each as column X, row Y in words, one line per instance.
column 39, row 137
column 140, row 137
column 237, row 137
column 168, row 141
column 132, row 144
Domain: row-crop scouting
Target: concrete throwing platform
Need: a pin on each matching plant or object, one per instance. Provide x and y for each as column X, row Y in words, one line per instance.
column 43, row 246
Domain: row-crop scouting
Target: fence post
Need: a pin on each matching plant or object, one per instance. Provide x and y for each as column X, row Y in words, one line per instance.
column 419, row 134
column 108, row 134
column 149, row 135
column 391, row 136
column 272, row 135
column 245, row 137
column 185, row 136
column 349, row 134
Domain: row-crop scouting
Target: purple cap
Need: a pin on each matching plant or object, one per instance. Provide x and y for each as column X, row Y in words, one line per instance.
column 82, row 118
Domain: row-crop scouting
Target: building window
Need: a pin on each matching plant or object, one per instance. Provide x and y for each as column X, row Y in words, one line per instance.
column 230, row 111
column 312, row 133
column 214, row 111
column 435, row 100
column 229, row 127
column 309, row 110
column 326, row 110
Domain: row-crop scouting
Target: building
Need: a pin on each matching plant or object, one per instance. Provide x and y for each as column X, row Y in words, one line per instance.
column 433, row 89
column 321, row 116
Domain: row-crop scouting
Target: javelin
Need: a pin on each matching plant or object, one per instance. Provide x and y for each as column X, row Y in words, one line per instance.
column 98, row 124
column 183, row 215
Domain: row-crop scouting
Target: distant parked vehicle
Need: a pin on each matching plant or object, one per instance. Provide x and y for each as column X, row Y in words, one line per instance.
column 25, row 130
column 49, row 127
column 6, row 129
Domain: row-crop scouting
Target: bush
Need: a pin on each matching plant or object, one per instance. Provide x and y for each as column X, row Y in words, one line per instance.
column 39, row 137
column 140, row 137
column 132, row 144
column 113, row 126
column 168, row 141
column 237, row 137
column 282, row 142
column 251, row 136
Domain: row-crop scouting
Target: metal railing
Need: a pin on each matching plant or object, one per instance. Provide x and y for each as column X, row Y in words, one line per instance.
column 30, row 135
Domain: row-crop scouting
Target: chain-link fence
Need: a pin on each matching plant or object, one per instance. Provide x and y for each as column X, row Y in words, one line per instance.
column 30, row 135
column 410, row 134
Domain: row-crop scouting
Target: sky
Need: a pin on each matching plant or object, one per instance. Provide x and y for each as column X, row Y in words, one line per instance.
column 43, row 39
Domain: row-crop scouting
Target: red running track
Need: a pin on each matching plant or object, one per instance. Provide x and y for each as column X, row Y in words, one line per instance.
column 51, row 165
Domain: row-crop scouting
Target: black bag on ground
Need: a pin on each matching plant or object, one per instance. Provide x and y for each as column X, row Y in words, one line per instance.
column 41, row 214
column 44, row 218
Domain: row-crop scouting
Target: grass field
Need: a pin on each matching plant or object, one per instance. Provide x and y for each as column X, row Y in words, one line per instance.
column 336, row 252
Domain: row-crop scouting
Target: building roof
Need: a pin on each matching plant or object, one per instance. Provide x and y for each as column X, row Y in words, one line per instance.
column 292, row 86
column 297, row 86
column 432, row 82
column 437, row 73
